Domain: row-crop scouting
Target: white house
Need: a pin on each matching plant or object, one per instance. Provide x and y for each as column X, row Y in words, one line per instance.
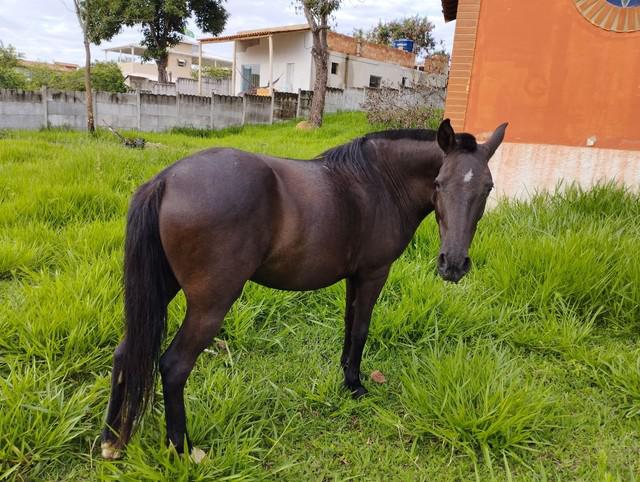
column 182, row 57
column 280, row 57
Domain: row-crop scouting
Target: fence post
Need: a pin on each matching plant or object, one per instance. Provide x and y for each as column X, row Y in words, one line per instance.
column 298, row 103
column 273, row 105
column 213, row 99
column 139, row 106
column 244, row 108
column 45, row 105
column 177, row 108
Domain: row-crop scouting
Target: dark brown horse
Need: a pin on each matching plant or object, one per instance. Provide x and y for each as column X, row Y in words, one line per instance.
column 215, row 220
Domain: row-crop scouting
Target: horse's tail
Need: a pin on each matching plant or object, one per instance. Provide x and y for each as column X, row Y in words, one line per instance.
column 147, row 276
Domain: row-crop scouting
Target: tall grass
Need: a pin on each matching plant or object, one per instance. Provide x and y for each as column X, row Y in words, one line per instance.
column 527, row 369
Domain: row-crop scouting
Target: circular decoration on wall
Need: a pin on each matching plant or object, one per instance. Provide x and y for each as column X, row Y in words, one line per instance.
column 613, row 15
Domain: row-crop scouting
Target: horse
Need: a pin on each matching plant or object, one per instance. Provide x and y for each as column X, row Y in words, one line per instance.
column 213, row 221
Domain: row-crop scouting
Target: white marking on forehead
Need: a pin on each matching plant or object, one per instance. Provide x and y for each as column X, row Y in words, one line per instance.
column 468, row 176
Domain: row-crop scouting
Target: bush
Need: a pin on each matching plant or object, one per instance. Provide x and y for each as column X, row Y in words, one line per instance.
column 406, row 108
column 105, row 77
column 9, row 77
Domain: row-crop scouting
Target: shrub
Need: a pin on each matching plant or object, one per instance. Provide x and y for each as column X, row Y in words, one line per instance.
column 405, row 108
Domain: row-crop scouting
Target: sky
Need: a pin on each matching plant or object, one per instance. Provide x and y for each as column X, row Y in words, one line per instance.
column 48, row 30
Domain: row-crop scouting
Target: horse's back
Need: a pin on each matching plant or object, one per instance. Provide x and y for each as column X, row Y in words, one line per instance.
column 217, row 212
column 279, row 219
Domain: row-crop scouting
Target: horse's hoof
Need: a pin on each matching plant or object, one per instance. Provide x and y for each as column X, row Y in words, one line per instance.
column 358, row 392
column 197, row 455
column 109, row 452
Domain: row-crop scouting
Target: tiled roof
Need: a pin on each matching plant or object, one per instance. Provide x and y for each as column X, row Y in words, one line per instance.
column 265, row 32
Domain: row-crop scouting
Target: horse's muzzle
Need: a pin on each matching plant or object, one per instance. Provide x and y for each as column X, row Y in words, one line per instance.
column 453, row 268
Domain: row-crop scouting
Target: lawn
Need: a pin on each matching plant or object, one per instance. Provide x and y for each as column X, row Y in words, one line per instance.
column 529, row 369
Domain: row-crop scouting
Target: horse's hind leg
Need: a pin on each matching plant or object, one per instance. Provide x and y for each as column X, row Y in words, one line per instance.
column 112, row 426
column 204, row 317
column 110, row 445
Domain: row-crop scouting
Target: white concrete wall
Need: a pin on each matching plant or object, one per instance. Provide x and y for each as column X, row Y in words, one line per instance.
column 359, row 70
column 294, row 47
column 153, row 112
column 150, row 69
column 520, row 170
column 119, row 110
column 21, row 110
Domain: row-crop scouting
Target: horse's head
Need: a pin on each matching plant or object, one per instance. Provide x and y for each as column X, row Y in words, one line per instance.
column 461, row 190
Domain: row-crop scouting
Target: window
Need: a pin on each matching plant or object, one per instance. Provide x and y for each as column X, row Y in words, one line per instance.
column 374, row 81
column 182, row 63
column 334, row 68
column 250, row 75
column 291, row 68
column 613, row 15
column 404, row 82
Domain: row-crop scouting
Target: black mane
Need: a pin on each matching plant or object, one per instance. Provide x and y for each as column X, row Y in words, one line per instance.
column 352, row 157
column 398, row 134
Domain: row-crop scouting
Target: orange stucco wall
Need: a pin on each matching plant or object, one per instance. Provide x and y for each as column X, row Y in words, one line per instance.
column 554, row 76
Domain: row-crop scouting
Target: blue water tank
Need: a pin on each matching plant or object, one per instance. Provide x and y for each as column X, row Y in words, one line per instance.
column 404, row 44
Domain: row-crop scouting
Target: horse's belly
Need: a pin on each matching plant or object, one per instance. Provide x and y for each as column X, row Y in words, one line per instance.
column 298, row 276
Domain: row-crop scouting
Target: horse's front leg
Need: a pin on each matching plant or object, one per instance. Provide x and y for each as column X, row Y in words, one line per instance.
column 366, row 288
column 348, row 323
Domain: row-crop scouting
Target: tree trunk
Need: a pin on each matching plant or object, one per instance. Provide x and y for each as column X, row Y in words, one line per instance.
column 87, row 86
column 320, row 60
column 81, row 13
column 162, row 63
column 320, row 53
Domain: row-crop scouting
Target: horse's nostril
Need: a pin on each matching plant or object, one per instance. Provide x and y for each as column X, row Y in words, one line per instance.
column 466, row 264
column 442, row 260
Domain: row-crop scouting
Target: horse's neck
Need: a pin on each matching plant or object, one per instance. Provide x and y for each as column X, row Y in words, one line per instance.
column 408, row 170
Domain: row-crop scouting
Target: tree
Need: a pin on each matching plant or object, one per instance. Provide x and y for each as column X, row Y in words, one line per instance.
column 99, row 20
column 417, row 28
column 211, row 72
column 163, row 22
column 107, row 77
column 317, row 13
column 9, row 77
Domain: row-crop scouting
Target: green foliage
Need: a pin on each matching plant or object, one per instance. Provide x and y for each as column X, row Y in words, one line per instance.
column 9, row 77
column 105, row 77
column 103, row 18
column 320, row 8
column 163, row 21
column 211, row 72
column 476, row 399
column 416, row 28
column 42, row 75
column 525, row 370
column 9, row 56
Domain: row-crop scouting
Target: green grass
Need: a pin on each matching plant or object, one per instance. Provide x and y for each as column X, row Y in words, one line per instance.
column 527, row 370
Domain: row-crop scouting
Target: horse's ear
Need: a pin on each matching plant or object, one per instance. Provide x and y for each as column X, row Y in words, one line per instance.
column 495, row 140
column 446, row 136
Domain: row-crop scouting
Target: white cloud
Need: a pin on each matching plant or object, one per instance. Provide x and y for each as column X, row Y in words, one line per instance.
column 48, row 30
